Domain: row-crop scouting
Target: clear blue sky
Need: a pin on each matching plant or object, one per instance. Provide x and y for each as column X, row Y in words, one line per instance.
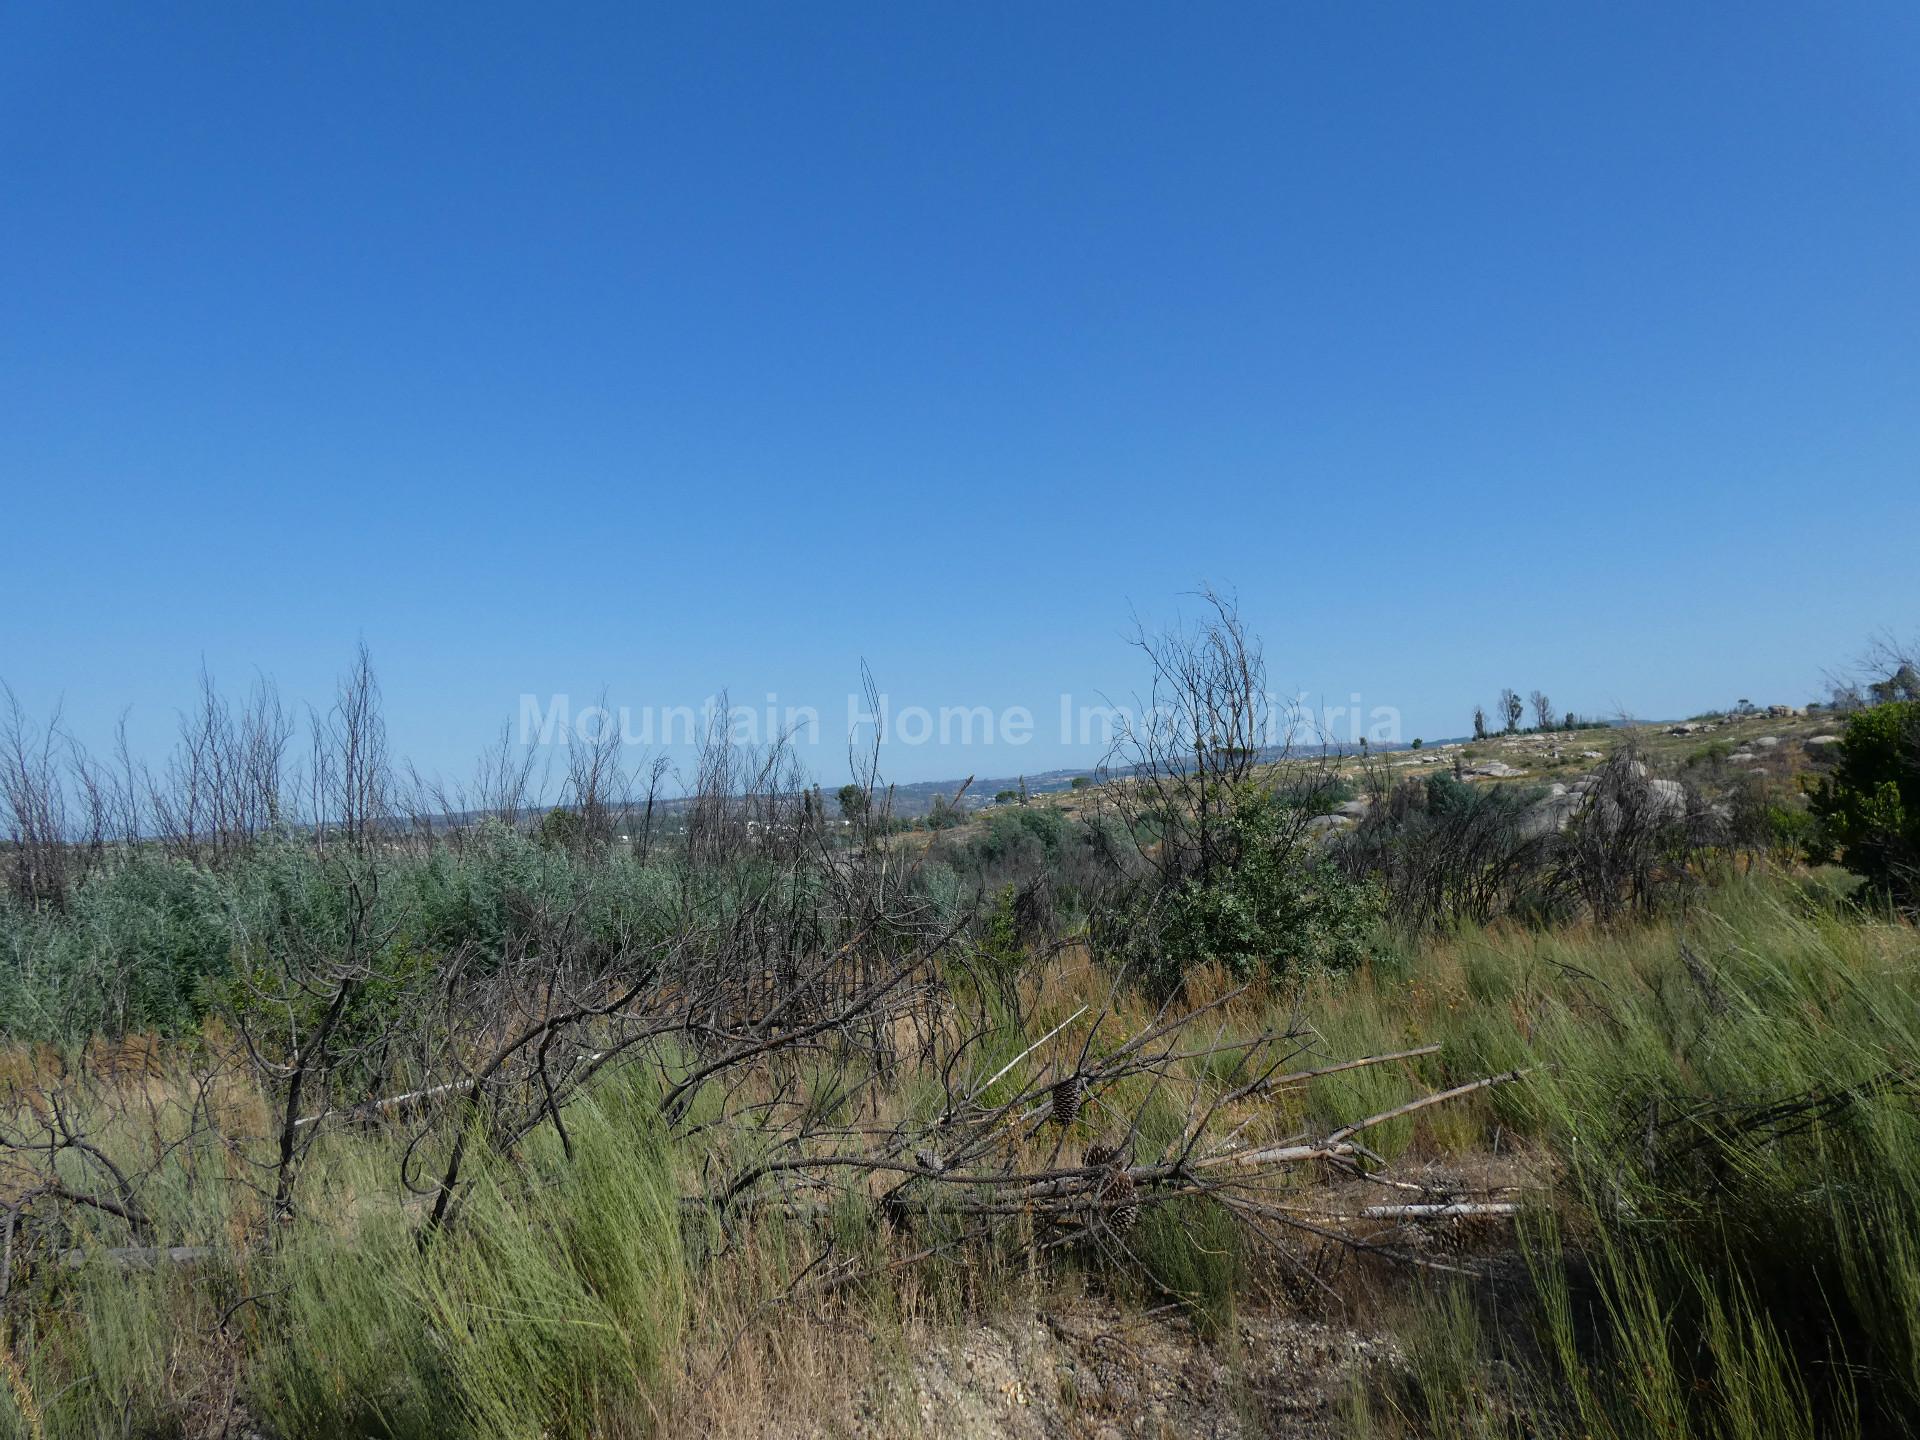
column 669, row 348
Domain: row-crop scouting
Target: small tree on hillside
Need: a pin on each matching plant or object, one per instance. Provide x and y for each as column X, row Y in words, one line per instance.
column 562, row 829
column 854, row 801
column 1542, row 710
column 1511, row 709
column 1903, row 684
column 1227, row 871
column 1479, row 723
column 1870, row 806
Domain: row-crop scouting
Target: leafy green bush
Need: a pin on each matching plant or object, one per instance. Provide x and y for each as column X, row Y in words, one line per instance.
column 1276, row 909
column 1714, row 752
column 562, row 829
column 1077, row 858
column 1032, row 833
column 151, row 942
column 1448, row 796
column 1001, row 951
column 134, row 950
column 1869, row 808
column 1790, row 829
column 1316, row 794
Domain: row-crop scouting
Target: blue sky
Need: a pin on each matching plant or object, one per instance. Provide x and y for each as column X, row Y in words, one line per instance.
column 674, row 348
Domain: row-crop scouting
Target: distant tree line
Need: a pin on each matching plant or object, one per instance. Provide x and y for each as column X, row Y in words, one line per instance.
column 1510, row 710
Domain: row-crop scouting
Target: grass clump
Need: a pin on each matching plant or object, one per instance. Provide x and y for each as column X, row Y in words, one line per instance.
column 1731, row 1104
column 554, row 1307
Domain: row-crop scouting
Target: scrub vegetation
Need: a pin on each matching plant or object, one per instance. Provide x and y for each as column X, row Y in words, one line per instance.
column 336, row 1104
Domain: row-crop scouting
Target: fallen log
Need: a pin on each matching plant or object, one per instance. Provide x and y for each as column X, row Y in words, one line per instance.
column 1450, row 1211
column 1347, row 1132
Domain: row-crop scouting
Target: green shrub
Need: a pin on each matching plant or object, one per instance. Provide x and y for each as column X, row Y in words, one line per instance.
column 150, row 943
column 1035, row 833
column 135, row 949
column 562, row 829
column 1714, row 752
column 1001, row 952
column 1316, row 794
column 1790, row 829
column 1869, row 807
column 1276, row 908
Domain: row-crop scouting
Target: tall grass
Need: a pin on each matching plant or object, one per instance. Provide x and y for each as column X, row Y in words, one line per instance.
column 556, row 1306
column 552, row 1308
column 1722, row 1109
column 1730, row 1107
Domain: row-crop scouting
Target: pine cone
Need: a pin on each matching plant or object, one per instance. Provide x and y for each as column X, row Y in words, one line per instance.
column 1067, row 1097
column 1118, row 1207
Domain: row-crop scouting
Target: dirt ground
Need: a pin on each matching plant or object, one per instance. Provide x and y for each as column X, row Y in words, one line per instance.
column 1084, row 1373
